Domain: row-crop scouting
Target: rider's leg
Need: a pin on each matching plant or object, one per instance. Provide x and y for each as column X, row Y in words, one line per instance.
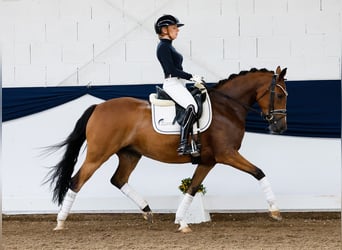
column 176, row 89
column 186, row 128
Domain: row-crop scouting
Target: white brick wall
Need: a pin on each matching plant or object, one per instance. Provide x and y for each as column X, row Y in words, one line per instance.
column 76, row 42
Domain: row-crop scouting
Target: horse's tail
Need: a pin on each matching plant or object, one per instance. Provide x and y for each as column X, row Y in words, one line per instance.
column 60, row 175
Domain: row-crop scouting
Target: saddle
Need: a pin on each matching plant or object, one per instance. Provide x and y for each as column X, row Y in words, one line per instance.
column 167, row 115
column 198, row 96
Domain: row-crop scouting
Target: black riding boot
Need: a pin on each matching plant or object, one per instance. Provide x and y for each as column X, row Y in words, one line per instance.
column 186, row 127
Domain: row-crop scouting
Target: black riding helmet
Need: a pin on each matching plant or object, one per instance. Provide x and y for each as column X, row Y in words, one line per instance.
column 164, row 21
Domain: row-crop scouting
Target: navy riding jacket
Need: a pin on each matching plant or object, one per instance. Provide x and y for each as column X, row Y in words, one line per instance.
column 170, row 60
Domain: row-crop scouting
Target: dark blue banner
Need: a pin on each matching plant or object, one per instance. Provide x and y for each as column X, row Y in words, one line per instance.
column 314, row 107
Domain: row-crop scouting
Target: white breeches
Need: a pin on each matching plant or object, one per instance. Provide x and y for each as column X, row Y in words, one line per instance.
column 176, row 89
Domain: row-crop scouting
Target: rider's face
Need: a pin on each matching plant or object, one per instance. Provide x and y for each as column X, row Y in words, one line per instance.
column 172, row 31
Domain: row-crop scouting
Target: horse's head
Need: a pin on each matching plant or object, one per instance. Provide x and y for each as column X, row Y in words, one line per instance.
column 272, row 98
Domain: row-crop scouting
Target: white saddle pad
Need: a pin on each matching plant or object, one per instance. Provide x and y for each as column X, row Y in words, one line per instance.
column 164, row 112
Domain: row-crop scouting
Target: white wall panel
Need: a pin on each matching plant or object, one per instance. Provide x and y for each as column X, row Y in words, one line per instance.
column 179, row 8
column 242, row 7
column 151, row 72
column 30, row 75
column 138, row 12
column 331, row 45
column 323, row 24
column 46, row 53
column 77, row 52
column 216, row 49
column 201, row 8
column 126, row 73
column 140, row 50
column 256, row 25
column 304, row 6
column 76, row 10
column 247, row 48
column 30, row 31
column 9, row 68
column 289, row 25
column 115, row 52
column 315, row 65
column 22, row 53
column 266, row 7
column 61, row 73
column 273, row 47
column 231, row 48
column 61, row 31
column 99, row 75
column 251, row 32
column 93, row 31
column 331, row 6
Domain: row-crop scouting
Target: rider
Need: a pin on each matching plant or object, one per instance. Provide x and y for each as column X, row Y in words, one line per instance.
column 175, row 78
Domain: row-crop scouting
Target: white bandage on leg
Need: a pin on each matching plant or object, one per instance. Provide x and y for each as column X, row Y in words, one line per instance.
column 134, row 196
column 266, row 188
column 183, row 207
column 66, row 206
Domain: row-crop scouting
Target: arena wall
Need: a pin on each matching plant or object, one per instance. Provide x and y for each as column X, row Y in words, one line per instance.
column 68, row 42
column 111, row 42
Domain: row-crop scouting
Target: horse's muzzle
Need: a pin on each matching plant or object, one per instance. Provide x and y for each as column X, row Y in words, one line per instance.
column 278, row 124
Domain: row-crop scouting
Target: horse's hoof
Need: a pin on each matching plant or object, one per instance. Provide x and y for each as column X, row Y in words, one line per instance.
column 148, row 216
column 276, row 215
column 185, row 230
column 60, row 225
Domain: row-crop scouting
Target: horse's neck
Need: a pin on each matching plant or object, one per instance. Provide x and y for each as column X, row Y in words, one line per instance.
column 242, row 89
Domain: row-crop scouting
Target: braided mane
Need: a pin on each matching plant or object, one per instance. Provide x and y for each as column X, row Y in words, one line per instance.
column 242, row 73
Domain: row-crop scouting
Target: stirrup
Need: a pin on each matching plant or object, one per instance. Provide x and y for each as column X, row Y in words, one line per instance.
column 192, row 149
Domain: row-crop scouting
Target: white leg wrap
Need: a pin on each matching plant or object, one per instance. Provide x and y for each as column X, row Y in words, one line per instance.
column 183, row 207
column 66, row 206
column 266, row 188
column 134, row 196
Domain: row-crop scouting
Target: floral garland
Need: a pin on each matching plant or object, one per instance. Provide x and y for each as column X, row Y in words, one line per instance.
column 186, row 183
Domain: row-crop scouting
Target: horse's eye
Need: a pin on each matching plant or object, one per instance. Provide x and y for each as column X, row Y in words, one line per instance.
column 280, row 96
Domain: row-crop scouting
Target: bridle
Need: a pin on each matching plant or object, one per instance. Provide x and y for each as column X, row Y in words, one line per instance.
column 271, row 111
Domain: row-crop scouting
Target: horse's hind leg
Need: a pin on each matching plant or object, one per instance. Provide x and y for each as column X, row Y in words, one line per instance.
column 128, row 159
column 85, row 172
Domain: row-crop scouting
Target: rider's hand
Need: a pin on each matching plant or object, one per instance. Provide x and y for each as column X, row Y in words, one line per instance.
column 197, row 79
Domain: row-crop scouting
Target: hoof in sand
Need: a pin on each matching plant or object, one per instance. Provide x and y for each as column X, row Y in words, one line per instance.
column 276, row 215
column 184, row 230
column 60, row 226
column 148, row 216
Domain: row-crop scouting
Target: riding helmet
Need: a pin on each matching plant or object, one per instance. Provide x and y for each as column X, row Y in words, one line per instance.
column 164, row 21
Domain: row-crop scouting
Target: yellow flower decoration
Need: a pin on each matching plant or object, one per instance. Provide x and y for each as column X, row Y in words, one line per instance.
column 186, row 183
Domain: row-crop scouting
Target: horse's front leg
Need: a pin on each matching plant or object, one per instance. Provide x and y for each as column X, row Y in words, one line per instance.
column 238, row 161
column 198, row 177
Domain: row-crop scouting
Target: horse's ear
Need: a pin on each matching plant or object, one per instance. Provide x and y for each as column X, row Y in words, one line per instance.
column 282, row 74
column 278, row 70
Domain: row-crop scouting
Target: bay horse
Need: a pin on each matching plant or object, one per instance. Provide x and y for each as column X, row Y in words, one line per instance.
column 123, row 126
